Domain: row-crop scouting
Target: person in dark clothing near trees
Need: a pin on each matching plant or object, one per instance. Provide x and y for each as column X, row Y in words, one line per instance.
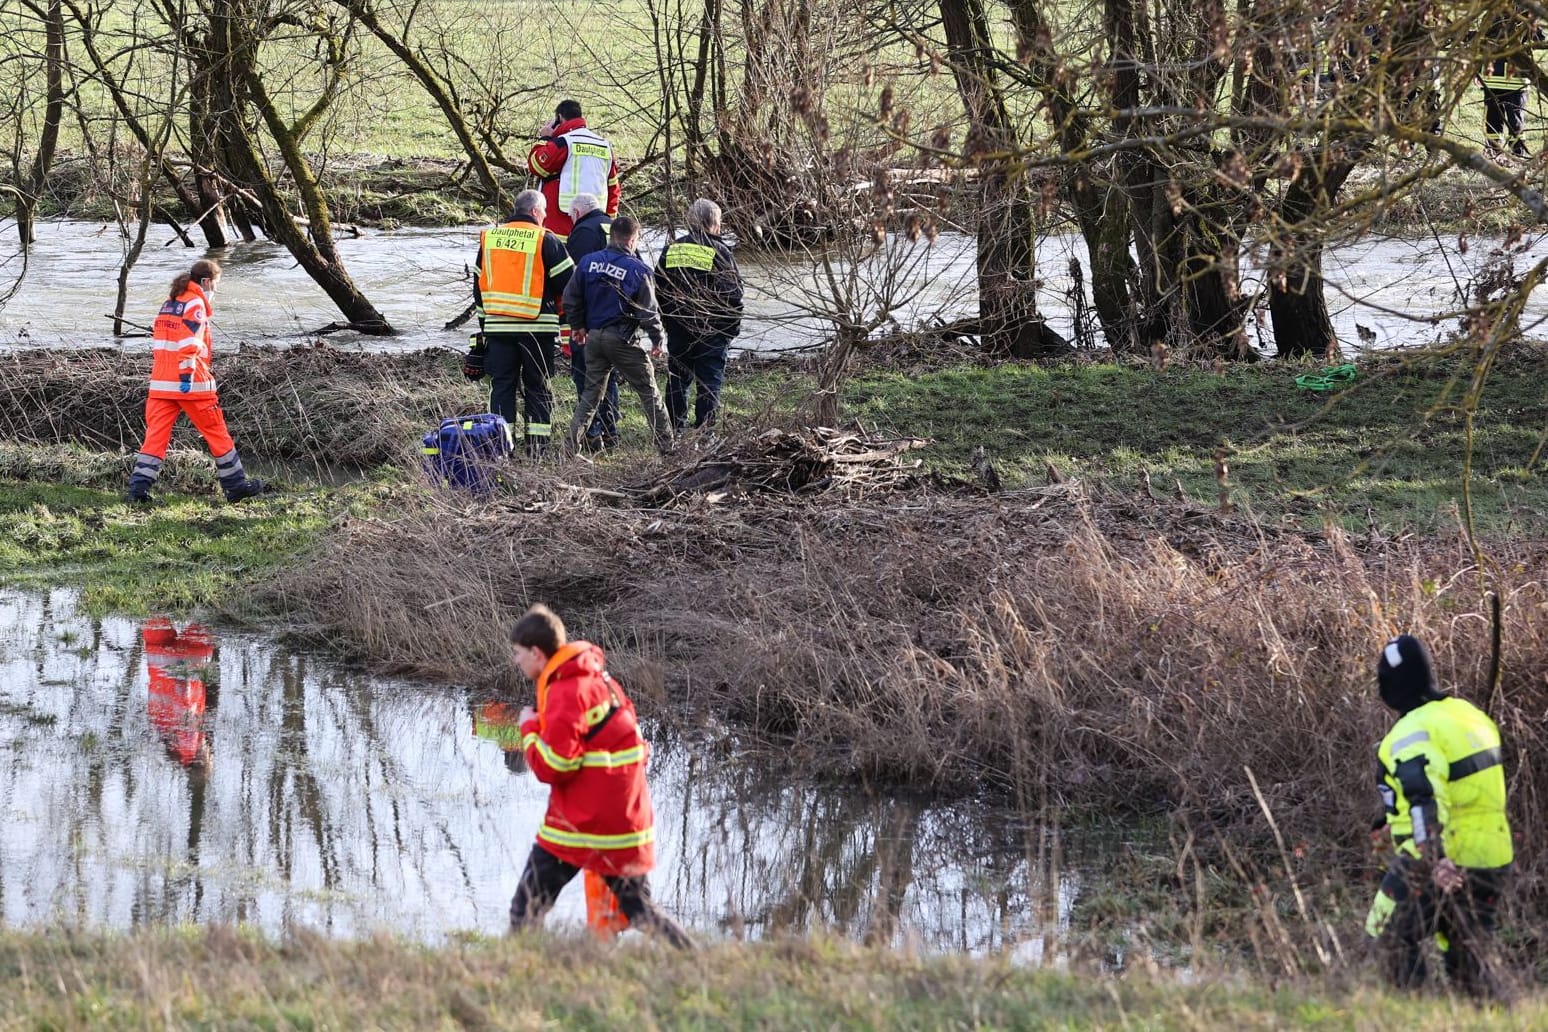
column 589, row 235
column 701, row 307
column 522, row 273
column 1504, row 87
column 1443, row 789
column 610, row 298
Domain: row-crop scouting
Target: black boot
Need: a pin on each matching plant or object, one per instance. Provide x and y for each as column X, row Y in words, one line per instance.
column 246, row 488
column 142, row 478
column 234, row 479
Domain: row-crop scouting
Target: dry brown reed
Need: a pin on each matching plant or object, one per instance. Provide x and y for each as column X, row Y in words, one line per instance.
column 316, row 404
column 1075, row 646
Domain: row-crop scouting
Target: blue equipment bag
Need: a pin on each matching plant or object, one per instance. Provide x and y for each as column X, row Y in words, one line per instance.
column 468, row 451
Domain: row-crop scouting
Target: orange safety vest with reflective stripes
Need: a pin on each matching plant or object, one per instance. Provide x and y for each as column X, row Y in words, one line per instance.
column 585, row 743
column 511, row 276
column 182, row 342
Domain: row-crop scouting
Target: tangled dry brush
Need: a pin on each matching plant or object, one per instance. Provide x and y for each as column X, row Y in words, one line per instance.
column 1077, row 645
column 323, row 405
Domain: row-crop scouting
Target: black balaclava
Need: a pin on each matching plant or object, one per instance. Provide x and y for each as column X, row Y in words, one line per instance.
column 1405, row 674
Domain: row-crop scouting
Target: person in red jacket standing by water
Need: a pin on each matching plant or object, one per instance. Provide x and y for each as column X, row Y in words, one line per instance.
column 583, row 740
column 182, row 381
column 569, row 159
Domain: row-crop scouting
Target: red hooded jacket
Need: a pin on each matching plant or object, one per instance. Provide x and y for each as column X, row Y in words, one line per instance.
column 585, row 743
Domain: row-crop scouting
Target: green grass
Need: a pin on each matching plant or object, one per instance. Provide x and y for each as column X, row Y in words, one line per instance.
column 185, row 552
column 226, row 979
column 1389, row 444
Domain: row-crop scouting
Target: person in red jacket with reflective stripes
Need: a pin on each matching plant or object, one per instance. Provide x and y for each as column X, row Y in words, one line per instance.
column 584, row 741
column 569, row 159
column 183, row 382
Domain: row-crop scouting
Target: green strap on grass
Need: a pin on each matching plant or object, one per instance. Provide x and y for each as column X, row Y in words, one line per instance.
column 1327, row 378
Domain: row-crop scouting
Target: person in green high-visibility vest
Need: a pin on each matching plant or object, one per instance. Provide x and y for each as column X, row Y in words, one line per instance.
column 1442, row 784
column 700, row 292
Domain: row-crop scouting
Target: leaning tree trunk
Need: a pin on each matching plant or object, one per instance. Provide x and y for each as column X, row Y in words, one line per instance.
column 53, row 113
column 1009, row 321
column 445, row 99
column 233, row 47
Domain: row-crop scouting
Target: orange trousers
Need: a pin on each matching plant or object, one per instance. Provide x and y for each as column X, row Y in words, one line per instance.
column 203, row 413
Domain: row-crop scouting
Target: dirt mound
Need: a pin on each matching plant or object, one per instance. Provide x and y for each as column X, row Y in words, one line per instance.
column 317, row 404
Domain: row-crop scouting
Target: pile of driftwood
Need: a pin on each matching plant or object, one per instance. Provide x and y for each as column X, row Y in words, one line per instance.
column 778, row 461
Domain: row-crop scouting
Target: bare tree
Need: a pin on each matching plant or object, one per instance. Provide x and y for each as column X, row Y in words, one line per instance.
column 26, row 59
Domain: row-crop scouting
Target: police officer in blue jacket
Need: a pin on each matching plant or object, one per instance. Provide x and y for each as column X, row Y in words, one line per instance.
column 608, row 301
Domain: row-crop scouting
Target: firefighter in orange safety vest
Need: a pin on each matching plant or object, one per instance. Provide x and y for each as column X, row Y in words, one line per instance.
column 522, row 272
column 182, row 381
column 584, row 742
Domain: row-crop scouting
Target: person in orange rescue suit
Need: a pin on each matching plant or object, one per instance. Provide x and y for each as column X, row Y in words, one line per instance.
column 177, row 699
column 1442, row 786
column 182, row 381
column 522, row 272
column 583, row 741
column 570, row 159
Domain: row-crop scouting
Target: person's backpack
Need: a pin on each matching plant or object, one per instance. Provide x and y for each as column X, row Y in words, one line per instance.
column 468, row 451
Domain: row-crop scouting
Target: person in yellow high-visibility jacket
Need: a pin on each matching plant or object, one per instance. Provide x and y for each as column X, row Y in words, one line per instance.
column 1442, row 784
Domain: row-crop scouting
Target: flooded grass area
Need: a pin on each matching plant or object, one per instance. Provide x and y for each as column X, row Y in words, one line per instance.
column 1067, row 694
column 155, row 773
column 183, row 553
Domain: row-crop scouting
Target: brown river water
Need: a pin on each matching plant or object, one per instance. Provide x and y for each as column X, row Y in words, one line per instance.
column 155, row 773
column 1401, row 292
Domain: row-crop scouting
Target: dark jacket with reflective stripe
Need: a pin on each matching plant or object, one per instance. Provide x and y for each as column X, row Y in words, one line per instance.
column 699, row 287
column 1445, row 756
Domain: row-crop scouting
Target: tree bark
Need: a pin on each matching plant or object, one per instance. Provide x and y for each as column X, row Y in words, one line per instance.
column 1298, row 306
column 53, row 113
column 1101, row 211
column 233, row 43
column 1007, row 242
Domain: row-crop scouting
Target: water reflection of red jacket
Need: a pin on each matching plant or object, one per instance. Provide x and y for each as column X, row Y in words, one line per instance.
column 585, row 742
column 175, row 661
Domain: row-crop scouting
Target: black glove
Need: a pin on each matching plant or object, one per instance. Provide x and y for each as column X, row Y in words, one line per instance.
column 473, row 364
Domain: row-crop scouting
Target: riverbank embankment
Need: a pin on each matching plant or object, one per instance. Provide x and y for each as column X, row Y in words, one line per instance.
column 1156, row 593
column 229, row 979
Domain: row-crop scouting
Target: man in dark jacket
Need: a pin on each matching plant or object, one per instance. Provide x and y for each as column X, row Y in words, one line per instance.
column 609, row 299
column 522, row 272
column 587, row 236
column 701, row 307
